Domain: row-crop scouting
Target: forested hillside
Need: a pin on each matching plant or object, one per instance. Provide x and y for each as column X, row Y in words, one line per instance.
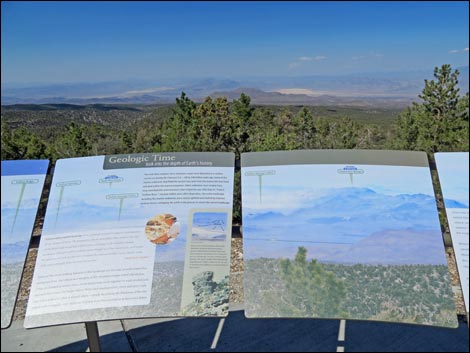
column 301, row 288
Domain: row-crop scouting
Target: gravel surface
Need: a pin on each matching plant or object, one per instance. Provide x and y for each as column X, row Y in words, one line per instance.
column 20, row 308
column 455, row 281
column 236, row 271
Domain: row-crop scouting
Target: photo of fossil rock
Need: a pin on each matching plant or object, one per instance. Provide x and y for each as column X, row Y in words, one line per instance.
column 162, row 229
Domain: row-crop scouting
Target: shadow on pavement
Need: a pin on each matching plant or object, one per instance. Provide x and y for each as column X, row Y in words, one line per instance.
column 362, row 336
column 113, row 342
column 281, row 335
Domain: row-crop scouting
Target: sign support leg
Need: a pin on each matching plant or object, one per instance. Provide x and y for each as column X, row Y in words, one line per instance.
column 93, row 336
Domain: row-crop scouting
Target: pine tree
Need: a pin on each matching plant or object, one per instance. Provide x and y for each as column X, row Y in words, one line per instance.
column 242, row 123
column 311, row 290
column 440, row 121
column 21, row 143
column 306, row 127
column 72, row 143
column 180, row 130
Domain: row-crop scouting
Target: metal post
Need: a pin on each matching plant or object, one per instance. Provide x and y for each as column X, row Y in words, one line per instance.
column 93, row 336
column 260, row 183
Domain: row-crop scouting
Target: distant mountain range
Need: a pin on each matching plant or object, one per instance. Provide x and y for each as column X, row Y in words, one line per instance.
column 358, row 210
column 454, row 204
column 352, row 225
column 379, row 89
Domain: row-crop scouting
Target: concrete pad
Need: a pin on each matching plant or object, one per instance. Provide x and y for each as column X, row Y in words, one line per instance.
column 131, row 324
column 18, row 339
column 65, row 338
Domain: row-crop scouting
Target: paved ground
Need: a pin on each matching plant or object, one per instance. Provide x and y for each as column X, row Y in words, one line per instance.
column 236, row 333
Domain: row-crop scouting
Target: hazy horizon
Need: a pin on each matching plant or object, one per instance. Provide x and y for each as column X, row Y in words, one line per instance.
column 182, row 80
column 47, row 43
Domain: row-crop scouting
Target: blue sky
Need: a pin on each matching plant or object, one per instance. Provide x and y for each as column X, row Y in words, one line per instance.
column 99, row 41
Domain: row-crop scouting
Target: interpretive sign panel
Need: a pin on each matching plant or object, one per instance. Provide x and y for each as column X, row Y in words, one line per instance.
column 22, row 184
column 132, row 236
column 345, row 234
column 453, row 176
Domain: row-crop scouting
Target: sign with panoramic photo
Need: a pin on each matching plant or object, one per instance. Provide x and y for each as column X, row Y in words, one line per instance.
column 345, row 234
column 132, row 236
column 22, row 184
column 453, row 177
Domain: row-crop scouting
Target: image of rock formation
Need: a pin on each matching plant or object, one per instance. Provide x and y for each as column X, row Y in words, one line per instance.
column 211, row 298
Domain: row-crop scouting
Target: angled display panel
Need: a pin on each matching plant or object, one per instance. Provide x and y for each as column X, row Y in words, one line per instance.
column 133, row 236
column 22, row 184
column 453, row 172
column 346, row 234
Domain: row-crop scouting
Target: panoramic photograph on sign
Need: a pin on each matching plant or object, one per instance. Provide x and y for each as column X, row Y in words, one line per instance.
column 320, row 246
